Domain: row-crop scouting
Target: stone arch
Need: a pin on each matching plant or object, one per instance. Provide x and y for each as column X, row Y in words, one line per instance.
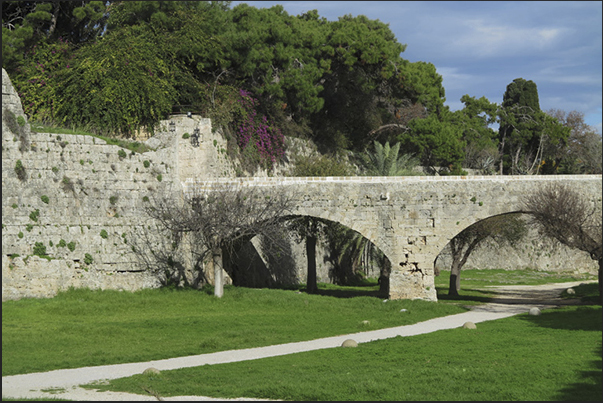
column 264, row 271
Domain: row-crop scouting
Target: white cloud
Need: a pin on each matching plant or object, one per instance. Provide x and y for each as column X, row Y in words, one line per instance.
column 484, row 38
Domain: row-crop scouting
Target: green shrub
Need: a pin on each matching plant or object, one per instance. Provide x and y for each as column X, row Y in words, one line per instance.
column 14, row 205
column 121, row 153
column 88, row 259
column 71, row 246
column 62, row 243
column 20, row 235
column 146, row 163
column 55, row 169
column 145, row 199
column 45, row 199
column 185, row 136
column 104, row 234
column 21, row 121
column 321, row 165
column 28, row 227
column 159, row 177
column 113, row 199
column 39, row 249
column 20, row 170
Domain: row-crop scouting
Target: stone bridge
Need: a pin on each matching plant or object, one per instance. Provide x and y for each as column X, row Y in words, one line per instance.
column 411, row 219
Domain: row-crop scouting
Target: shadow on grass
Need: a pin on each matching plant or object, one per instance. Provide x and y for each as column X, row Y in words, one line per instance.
column 592, row 385
column 351, row 293
column 469, row 295
column 586, row 318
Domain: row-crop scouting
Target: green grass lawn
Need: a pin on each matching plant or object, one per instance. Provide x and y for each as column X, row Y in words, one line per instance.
column 84, row 328
column 554, row 356
column 548, row 357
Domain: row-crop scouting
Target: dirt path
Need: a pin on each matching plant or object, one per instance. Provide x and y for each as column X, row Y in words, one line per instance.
column 543, row 294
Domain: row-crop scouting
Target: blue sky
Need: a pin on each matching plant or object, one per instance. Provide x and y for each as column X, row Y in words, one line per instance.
column 479, row 47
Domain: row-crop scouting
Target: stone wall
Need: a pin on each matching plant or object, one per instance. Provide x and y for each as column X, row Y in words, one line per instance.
column 81, row 199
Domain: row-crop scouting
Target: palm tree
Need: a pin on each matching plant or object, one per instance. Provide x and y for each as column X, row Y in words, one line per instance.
column 385, row 161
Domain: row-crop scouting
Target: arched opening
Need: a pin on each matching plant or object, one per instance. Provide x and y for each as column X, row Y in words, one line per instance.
column 493, row 235
column 502, row 243
column 337, row 255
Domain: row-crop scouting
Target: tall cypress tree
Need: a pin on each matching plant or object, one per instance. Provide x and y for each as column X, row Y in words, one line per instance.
column 520, row 125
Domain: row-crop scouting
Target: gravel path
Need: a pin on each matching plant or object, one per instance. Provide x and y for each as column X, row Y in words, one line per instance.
column 511, row 300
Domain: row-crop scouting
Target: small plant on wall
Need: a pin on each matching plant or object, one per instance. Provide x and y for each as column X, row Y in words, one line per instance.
column 39, row 249
column 20, row 170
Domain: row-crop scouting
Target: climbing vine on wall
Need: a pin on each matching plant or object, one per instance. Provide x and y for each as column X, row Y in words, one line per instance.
column 257, row 137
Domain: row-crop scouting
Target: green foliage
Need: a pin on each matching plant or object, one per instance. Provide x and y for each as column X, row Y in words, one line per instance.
column 146, row 163
column 385, row 161
column 39, row 249
column 71, row 246
column 341, row 83
column 20, row 235
column 104, row 234
column 20, row 170
column 474, row 121
column 29, row 227
column 438, row 144
column 121, row 153
column 321, row 165
column 124, row 76
column 145, row 198
column 45, row 199
column 14, row 205
column 62, row 243
column 159, row 177
column 35, row 23
column 37, row 79
column 88, row 259
column 113, row 199
column 186, row 136
column 524, row 129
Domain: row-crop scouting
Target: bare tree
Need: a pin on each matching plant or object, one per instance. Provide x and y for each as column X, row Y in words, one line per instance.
column 565, row 215
column 506, row 228
column 212, row 221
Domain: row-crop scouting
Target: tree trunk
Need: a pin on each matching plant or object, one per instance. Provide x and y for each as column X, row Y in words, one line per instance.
column 218, row 276
column 601, row 280
column 455, row 278
column 384, row 278
column 311, row 286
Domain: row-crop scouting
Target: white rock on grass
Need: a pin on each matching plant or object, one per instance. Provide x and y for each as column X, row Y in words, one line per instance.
column 349, row 343
column 534, row 311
